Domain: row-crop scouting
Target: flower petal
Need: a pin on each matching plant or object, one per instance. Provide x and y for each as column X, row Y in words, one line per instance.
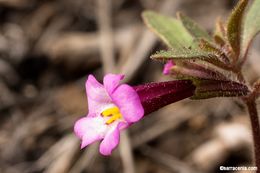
column 89, row 139
column 111, row 82
column 98, row 97
column 167, row 67
column 110, row 141
column 128, row 101
column 90, row 129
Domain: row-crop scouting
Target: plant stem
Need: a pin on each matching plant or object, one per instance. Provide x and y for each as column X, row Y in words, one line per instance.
column 251, row 105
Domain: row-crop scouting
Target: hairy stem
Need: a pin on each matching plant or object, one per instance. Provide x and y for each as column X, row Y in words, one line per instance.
column 251, row 105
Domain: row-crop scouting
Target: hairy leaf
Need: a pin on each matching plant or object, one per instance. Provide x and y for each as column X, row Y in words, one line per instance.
column 251, row 26
column 170, row 30
column 194, row 29
column 189, row 54
column 209, row 47
column 234, row 26
column 183, row 53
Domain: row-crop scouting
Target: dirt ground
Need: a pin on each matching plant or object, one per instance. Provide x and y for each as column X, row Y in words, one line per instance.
column 47, row 49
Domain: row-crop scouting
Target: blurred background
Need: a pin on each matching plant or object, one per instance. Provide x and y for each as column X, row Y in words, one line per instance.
column 47, row 49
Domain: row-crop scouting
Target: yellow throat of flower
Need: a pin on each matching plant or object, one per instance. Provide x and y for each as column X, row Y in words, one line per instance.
column 113, row 113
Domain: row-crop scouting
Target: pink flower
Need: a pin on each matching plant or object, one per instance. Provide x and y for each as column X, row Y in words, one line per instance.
column 156, row 95
column 167, row 67
column 112, row 107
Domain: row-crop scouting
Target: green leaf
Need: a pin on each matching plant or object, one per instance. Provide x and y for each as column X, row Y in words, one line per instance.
column 210, row 47
column 194, row 29
column 189, row 54
column 251, row 26
column 234, row 26
column 182, row 54
column 170, row 30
